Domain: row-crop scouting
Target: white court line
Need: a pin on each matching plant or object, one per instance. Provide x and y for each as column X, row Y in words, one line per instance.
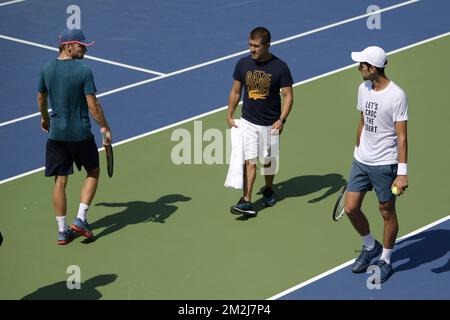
column 300, row 35
column 225, row 107
column 32, row 171
column 10, row 2
column 345, row 21
column 22, row 175
column 21, row 118
column 123, row 65
column 335, row 269
column 219, row 109
column 140, row 83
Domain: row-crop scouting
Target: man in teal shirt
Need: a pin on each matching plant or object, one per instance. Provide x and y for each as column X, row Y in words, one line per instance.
column 71, row 89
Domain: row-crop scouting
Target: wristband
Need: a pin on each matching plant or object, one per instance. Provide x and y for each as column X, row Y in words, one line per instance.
column 402, row 169
column 283, row 120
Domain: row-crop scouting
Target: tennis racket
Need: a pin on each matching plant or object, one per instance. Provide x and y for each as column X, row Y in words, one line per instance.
column 338, row 211
column 109, row 153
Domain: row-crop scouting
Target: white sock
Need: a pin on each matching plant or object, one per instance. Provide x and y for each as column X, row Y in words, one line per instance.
column 386, row 255
column 61, row 223
column 369, row 241
column 82, row 212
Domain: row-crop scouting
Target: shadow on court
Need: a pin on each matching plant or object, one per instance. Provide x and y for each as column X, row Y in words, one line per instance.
column 443, row 268
column 136, row 212
column 422, row 248
column 59, row 290
column 305, row 185
column 302, row 186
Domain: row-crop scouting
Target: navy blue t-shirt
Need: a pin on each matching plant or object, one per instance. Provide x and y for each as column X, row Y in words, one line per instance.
column 262, row 83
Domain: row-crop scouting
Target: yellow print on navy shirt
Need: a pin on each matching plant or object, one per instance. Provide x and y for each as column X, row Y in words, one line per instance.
column 258, row 84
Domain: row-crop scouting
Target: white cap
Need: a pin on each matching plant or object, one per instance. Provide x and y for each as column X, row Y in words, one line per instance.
column 372, row 55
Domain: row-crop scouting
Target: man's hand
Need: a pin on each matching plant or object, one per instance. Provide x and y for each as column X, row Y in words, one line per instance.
column 402, row 183
column 45, row 124
column 231, row 122
column 277, row 127
column 106, row 136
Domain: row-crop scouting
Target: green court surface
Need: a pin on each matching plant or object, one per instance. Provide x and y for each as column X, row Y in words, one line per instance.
column 165, row 231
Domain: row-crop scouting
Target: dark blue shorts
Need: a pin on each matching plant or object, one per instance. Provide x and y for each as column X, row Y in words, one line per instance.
column 60, row 156
column 365, row 178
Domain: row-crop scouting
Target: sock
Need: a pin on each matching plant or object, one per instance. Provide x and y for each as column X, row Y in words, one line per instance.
column 386, row 255
column 369, row 241
column 82, row 212
column 61, row 223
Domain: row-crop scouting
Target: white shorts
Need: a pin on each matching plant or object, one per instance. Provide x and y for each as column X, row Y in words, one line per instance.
column 259, row 142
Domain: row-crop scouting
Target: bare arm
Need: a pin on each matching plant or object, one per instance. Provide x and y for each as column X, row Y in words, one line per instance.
column 359, row 130
column 402, row 142
column 42, row 100
column 96, row 111
column 233, row 100
column 288, row 100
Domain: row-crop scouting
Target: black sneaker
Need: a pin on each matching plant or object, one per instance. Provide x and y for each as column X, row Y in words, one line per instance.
column 365, row 258
column 386, row 270
column 268, row 197
column 243, row 207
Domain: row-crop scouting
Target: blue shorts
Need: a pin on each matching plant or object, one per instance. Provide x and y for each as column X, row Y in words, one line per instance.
column 365, row 178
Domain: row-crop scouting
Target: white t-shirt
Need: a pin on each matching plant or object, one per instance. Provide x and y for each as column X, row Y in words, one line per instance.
column 381, row 109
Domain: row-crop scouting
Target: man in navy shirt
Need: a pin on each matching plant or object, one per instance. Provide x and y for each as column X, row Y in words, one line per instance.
column 262, row 75
column 70, row 87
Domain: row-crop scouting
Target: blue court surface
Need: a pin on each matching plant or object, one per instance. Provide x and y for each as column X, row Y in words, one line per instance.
column 421, row 264
column 164, row 39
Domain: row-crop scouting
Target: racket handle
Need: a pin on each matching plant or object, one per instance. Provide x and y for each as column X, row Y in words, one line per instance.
column 103, row 131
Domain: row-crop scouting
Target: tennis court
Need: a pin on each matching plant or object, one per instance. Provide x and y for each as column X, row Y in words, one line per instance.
column 163, row 230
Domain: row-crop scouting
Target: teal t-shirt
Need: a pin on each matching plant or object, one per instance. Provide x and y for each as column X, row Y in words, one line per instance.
column 67, row 83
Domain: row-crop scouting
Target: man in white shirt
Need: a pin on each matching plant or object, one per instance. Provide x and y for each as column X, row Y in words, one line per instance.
column 380, row 157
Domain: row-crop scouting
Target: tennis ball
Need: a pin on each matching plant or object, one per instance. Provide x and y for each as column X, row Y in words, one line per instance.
column 394, row 190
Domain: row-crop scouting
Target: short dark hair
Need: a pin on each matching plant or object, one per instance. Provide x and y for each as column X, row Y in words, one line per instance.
column 261, row 32
column 380, row 71
column 62, row 47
